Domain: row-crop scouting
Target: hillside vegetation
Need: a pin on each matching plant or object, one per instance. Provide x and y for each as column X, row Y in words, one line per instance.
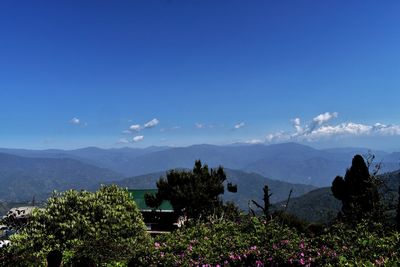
column 22, row 178
column 215, row 234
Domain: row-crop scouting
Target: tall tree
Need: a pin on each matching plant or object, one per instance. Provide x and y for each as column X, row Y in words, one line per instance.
column 358, row 191
column 194, row 193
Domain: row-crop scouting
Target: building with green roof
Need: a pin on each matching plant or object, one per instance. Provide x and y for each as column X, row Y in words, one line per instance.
column 160, row 220
column 137, row 195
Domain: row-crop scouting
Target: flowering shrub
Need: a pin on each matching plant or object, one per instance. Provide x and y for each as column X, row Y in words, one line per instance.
column 256, row 242
column 364, row 244
column 252, row 242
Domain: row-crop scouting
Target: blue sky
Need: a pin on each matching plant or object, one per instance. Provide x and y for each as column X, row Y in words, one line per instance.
column 81, row 73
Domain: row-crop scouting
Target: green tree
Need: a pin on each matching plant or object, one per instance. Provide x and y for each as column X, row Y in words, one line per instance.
column 195, row 193
column 358, row 191
column 105, row 226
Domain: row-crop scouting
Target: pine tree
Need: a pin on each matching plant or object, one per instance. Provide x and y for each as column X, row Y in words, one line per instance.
column 358, row 190
column 194, row 193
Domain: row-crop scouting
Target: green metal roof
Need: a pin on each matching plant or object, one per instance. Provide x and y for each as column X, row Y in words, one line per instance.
column 137, row 195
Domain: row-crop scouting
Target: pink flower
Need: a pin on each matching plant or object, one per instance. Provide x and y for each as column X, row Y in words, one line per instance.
column 302, row 262
column 259, row 263
column 157, row 245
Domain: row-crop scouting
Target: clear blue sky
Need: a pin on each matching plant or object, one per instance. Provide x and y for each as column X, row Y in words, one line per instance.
column 80, row 73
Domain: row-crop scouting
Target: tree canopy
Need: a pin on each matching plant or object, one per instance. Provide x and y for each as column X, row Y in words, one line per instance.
column 105, row 226
column 358, row 191
column 194, row 193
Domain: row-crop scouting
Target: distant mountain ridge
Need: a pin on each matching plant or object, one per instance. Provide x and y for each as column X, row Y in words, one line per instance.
column 290, row 162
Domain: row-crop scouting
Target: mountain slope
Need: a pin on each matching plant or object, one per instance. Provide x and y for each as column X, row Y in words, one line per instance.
column 21, row 178
column 321, row 206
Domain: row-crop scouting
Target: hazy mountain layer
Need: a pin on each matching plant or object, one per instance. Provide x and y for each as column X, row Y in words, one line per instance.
column 21, row 178
column 290, row 162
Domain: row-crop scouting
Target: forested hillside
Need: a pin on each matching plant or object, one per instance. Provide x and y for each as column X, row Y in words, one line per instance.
column 22, row 178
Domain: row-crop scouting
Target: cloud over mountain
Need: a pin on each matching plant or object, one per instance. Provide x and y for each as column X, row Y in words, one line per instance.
column 319, row 128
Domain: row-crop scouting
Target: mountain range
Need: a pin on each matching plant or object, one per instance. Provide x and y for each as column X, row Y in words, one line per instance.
column 27, row 173
column 290, row 162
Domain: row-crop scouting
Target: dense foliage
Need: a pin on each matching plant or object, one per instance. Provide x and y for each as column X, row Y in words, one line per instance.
column 193, row 193
column 358, row 191
column 253, row 241
column 105, row 226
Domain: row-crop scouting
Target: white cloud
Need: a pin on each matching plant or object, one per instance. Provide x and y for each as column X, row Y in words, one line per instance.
column 348, row 128
column 239, row 125
column 325, row 117
column 297, row 124
column 278, row 137
column 75, row 121
column 152, row 123
column 254, row 141
column 123, row 141
column 205, row 125
column 135, row 127
column 199, row 125
column 138, row 138
column 319, row 128
column 170, row 129
column 386, row 129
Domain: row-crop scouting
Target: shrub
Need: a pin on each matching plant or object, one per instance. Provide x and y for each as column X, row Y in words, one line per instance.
column 104, row 226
